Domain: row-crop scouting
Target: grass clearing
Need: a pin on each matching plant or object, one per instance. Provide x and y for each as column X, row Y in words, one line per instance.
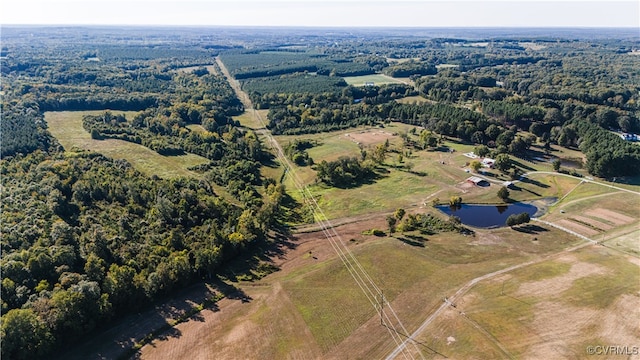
column 376, row 79
column 211, row 68
column 197, row 128
column 415, row 100
column 556, row 304
column 66, row 126
column 248, row 119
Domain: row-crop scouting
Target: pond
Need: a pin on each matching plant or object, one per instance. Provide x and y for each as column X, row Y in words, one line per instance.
column 487, row 216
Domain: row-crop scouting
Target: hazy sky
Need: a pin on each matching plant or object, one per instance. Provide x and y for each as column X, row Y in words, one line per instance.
column 404, row 13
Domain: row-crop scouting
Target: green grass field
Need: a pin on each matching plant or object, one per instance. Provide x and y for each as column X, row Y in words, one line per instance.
column 376, row 79
column 66, row 126
column 333, row 307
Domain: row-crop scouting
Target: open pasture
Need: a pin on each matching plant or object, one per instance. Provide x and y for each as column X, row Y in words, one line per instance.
column 212, row 69
column 553, row 309
column 313, row 308
column 375, row 79
column 66, row 126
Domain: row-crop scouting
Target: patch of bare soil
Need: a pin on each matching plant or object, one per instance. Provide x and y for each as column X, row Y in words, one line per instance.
column 486, row 238
column 558, row 327
column 369, row 137
column 558, row 284
column 619, row 323
column 611, row 216
column 579, row 228
column 240, row 330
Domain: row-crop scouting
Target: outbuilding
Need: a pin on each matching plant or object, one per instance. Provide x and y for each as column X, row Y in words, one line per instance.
column 478, row 181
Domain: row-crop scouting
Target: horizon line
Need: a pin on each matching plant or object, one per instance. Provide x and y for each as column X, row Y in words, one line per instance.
column 326, row 26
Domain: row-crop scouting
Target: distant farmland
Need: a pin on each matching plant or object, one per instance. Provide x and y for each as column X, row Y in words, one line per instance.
column 66, row 126
column 376, row 79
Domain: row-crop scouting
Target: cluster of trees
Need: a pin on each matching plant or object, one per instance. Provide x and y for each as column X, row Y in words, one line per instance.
column 428, row 224
column 271, row 62
column 607, row 154
column 518, row 219
column 297, row 152
column 87, row 239
column 286, row 84
column 23, row 129
column 410, row 68
column 345, row 172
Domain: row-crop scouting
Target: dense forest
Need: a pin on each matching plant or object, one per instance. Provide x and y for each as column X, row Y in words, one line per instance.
column 87, row 239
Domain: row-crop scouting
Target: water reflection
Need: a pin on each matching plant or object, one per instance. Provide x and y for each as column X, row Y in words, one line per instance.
column 487, row 216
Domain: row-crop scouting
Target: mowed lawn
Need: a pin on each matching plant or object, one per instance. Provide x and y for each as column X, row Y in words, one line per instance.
column 376, row 79
column 66, row 126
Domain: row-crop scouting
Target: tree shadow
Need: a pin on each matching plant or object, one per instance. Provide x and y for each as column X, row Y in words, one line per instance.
column 530, row 229
column 520, row 164
column 412, row 242
column 269, row 160
column 537, row 183
column 231, row 291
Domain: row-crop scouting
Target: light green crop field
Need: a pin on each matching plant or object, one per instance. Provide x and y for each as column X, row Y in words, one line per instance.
column 66, row 126
column 376, row 79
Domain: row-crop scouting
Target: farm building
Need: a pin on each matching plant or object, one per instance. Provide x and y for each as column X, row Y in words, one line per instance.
column 478, row 181
column 487, row 162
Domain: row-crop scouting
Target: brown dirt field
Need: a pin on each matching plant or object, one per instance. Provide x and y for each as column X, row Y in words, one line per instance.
column 599, row 224
column 245, row 330
column 556, row 285
column 580, row 229
column 611, row 216
column 555, row 329
column 619, row 323
column 558, row 326
column 249, row 335
column 369, row 137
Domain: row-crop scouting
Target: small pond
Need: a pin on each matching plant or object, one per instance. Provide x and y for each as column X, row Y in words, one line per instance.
column 487, row 216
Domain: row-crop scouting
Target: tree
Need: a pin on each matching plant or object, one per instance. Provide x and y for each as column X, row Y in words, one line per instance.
column 455, row 201
column 380, row 153
column 556, row 164
column 475, row 165
column 503, row 163
column 24, row 335
column 481, row 150
column 503, row 193
column 399, row 213
column 391, row 222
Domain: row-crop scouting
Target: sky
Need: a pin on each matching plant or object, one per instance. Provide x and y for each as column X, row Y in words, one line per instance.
column 331, row 13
